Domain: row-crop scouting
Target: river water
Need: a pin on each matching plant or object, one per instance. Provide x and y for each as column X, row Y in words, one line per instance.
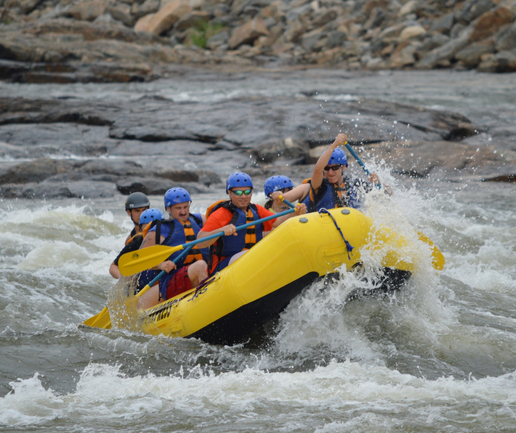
column 440, row 356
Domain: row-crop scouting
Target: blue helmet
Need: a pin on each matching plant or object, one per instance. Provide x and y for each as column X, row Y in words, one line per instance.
column 176, row 196
column 150, row 215
column 238, row 179
column 275, row 183
column 338, row 157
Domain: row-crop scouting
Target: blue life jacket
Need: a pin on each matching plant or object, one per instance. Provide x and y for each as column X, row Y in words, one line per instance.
column 330, row 196
column 174, row 234
column 227, row 246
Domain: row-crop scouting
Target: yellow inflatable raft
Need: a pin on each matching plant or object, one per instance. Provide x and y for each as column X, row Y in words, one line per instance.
column 260, row 284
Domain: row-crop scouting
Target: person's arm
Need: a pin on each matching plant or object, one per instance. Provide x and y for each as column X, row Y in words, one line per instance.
column 114, row 271
column 317, row 174
column 228, row 230
column 297, row 193
column 300, row 210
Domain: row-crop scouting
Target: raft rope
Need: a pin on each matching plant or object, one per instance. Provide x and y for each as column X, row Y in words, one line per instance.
column 348, row 245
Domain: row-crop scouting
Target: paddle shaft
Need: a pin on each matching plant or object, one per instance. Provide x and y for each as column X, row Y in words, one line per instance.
column 360, row 162
column 147, row 258
column 162, row 273
column 216, row 235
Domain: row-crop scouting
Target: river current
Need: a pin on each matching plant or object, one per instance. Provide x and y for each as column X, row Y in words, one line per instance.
column 439, row 356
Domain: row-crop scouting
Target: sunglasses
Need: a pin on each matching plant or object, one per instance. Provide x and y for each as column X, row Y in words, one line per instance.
column 239, row 192
column 332, row 167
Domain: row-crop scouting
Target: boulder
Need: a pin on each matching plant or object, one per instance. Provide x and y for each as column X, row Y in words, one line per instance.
column 166, row 17
column 146, row 8
column 503, row 61
column 412, row 32
column 248, row 33
column 122, row 13
column 443, row 24
column 34, row 171
column 192, row 19
column 445, row 52
column 472, row 9
column 88, row 10
column 506, row 39
column 143, row 23
column 403, row 55
column 490, row 22
column 471, row 56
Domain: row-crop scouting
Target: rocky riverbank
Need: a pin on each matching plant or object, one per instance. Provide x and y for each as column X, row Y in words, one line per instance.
column 89, row 147
column 132, row 40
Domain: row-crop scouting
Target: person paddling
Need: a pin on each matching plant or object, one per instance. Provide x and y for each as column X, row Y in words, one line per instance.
column 276, row 183
column 226, row 215
column 181, row 228
column 136, row 203
column 328, row 187
column 148, row 219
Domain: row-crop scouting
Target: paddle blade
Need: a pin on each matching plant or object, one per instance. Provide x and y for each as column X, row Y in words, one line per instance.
column 100, row 320
column 146, row 258
column 438, row 259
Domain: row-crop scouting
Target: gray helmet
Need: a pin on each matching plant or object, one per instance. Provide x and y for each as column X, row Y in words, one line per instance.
column 136, row 200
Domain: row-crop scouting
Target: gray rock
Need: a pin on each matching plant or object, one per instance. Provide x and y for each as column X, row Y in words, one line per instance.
column 443, row 24
column 148, row 7
column 336, row 38
column 506, row 39
column 445, row 52
column 472, row 9
column 110, row 166
column 471, row 55
column 34, row 171
column 52, row 190
column 503, row 61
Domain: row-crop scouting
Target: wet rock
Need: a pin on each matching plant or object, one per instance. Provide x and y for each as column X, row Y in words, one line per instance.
column 114, row 167
column 248, row 33
column 147, row 185
column 155, row 186
column 34, row 171
column 441, row 159
column 287, row 148
column 52, row 190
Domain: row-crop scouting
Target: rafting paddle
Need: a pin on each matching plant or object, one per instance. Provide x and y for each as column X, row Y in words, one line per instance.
column 103, row 319
column 147, row 258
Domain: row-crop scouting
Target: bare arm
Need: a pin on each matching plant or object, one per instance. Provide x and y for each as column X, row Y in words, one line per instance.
column 114, row 271
column 297, row 193
column 317, row 174
column 300, row 210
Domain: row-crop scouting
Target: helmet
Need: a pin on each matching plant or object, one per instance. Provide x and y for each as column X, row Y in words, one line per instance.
column 136, row 200
column 275, row 183
column 238, row 179
column 150, row 215
column 338, row 157
column 176, row 196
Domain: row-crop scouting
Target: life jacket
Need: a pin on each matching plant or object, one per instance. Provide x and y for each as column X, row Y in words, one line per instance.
column 179, row 233
column 330, row 196
column 228, row 246
column 131, row 236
